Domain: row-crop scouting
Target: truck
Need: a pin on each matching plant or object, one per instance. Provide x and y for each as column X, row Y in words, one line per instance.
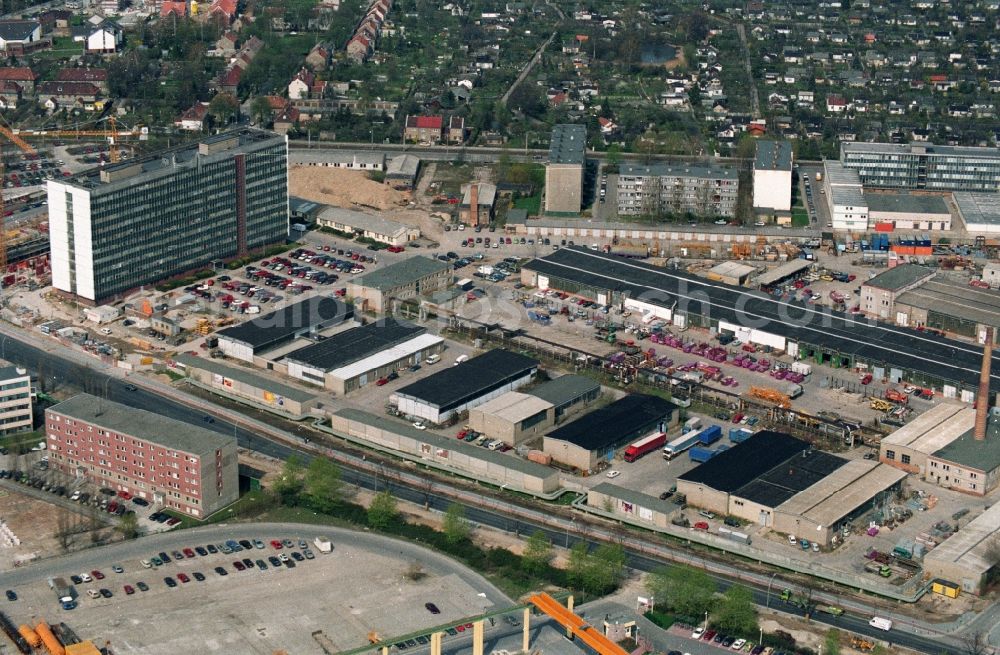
column 645, row 445
column 465, row 284
column 710, row 435
column 880, row 623
column 705, row 436
column 739, row 435
column 693, row 423
column 66, row 593
column 801, row 368
column 323, row 544
column 701, row 455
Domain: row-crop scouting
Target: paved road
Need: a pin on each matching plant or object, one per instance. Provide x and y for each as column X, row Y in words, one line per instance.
column 535, row 58
column 489, row 511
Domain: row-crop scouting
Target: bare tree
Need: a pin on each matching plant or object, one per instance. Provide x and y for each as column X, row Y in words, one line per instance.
column 64, row 530
column 976, row 644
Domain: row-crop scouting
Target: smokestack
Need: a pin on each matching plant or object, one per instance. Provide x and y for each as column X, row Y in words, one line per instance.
column 474, row 204
column 983, row 397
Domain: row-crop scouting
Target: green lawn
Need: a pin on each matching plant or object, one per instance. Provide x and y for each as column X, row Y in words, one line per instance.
column 800, row 217
column 532, row 203
column 23, row 442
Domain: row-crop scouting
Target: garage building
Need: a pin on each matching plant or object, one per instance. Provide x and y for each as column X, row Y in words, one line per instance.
column 244, row 384
column 501, row 469
column 453, row 390
column 733, row 273
column 568, row 393
column 251, row 339
column 407, row 279
column 596, row 436
column 353, row 358
column 513, row 417
column 908, row 211
column 369, row 226
column 909, row 447
column 966, row 556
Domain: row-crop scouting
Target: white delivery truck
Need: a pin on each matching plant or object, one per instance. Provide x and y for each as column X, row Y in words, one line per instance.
column 323, row 544
column 880, row 623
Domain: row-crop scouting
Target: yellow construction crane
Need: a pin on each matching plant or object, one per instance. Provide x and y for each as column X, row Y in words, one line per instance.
column 112, row 135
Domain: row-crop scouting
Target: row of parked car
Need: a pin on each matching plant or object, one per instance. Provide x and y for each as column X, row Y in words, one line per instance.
column 735, row 644
column 471, row 436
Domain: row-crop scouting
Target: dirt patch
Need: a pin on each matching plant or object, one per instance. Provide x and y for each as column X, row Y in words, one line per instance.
column 37, row 525
column 342, row 188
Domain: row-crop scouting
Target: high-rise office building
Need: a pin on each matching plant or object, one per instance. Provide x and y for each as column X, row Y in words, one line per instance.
column 144, row 220
column 923, row 166
column 701, row 189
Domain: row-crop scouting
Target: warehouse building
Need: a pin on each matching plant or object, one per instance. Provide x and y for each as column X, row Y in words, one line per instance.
column 781, row 273
column 908, row 211
column 633, row 506
column 451, row 391
column 733, row 273
column 567, row 393
column 923, row 166
column 564, row 170
column 967, row 556
column 661, row 189
column 878, row 295
column 242, row 384
column 772, row 177
column 250, row 340
column 966, row 464
column 979, row 211
column 369, row 226
column 121, row 226
column 775, row 480
column 407, row 279
column 949, row 306
column 818, row 333
column 513, row 418
column 909, row 447
column 150, row 449
column 402, row 171
column 355, row 161
column 844, row 197
column 351, row 359
column 596, row 436
column 500, row 469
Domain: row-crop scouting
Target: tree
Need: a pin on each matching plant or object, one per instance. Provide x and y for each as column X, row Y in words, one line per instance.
column 128, row 526
column 736, row 613
column 537, row 552
column 832, row 642
column 289, row 484
column 382, row 512
column 576, row 567
column 456, row 527
column 224, row 107
column 598, row 572
column 260, row 110
column 322, row 485
column 685, row 590
column 976, row 644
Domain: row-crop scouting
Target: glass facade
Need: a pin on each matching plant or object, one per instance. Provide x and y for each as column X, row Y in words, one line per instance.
column 183, row 211
column 940, row 168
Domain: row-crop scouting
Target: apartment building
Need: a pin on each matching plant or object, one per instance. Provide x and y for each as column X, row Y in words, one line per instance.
column 923, row 166
column 772, row 176
column 16, row 413
column 170, row 463
column 564, row 170
column 658, row 189
column 140, row 221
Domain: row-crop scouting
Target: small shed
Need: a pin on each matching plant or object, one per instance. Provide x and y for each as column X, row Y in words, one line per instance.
column 101, row 314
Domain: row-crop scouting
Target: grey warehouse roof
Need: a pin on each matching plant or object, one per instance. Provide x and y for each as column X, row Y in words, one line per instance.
column 402, row 273
column 455, row 385
column 906, row 203
column 564, row 389
column 709, row 171
column 899, row 277
column 634, row 497
column 918, row 149
column 978, row 208
column 607, row 426
column 159, row 429
column 869, row 340
column 282, row 325
column 361, row 221
column 568, row 144
column 839, row 175
column 773, row 156
column 244, row 376
column 951, row 298
column 355, row 344
column 979, row 455
column 405, row 166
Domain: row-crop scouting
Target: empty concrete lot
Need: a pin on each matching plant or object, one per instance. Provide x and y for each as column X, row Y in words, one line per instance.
column 361, row 586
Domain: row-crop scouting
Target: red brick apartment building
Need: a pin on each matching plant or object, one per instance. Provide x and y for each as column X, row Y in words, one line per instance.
column 170, row 463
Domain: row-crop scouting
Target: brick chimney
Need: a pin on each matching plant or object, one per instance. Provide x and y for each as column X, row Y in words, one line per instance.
column 983, row 397
column 473, row 204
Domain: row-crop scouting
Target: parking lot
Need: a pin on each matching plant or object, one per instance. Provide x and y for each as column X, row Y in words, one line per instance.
column 363, row 586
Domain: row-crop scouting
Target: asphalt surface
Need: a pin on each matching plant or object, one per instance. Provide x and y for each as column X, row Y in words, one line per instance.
column 61, row 371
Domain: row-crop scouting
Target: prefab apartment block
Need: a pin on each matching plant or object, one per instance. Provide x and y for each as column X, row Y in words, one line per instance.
column 141, row 221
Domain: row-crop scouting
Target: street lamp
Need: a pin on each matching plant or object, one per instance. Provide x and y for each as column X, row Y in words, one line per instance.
column 770, row 580
column 706, row 621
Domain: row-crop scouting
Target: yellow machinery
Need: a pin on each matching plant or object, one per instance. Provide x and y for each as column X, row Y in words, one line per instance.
column 772, row 396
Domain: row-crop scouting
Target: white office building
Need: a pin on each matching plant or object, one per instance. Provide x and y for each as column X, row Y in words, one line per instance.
column 772, row 176
column 844, row 197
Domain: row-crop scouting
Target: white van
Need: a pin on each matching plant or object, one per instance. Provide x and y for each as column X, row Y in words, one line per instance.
column 460, row 359
column 880, row 623
column 433, row 359
column 105, row 331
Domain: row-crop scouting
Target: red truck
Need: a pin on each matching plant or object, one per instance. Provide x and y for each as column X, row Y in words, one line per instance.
column 644, row 446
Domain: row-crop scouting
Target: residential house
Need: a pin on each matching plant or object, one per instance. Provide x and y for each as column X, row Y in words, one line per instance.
column 301, row 85
column 105, row 38
column 96, row 76
column 223, row 11
column 286, row 119
column 226, row 44
column 193, row 119
column 177, row 7
column 455, row 130
column 358, row 48
column 319, row 56
column 61, row 95
column 16, row 35
column 10, row 94
column 835, row 104
column 423, row 129
column 23, row 76
column 56, row 21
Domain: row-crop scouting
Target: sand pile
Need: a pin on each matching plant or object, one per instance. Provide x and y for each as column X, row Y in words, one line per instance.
column 341, row 188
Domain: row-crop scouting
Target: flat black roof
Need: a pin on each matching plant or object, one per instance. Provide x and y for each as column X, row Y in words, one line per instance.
column 355, row 344
column 463, row 382
column 795, row 474
column 608, row 426
column 737, row 467
column 277, row 327
column 812, row 325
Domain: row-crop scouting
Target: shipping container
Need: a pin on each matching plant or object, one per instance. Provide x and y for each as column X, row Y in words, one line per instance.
column 701, row 455
column 739, row 435
column 710, row 435
column 539, row 457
